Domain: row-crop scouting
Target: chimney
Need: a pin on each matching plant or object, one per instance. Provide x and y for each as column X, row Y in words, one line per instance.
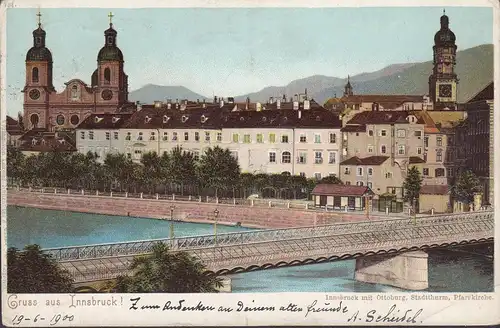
column 271, row 100
column 221, row 102
column 284, row 98
column 295, row 105
column 198, row 101
column 169, row 105
column 305, row 91
column 247, row 103
column 307, row 104
column 278, row 103
column 215, row 99
column 299, row 114
column 157, row 103
column 177, row 100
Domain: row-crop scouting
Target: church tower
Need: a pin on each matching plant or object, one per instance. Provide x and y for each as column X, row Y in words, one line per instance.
column 38, row 85
column 348, row 88
column 109, row 80
column 443, row 81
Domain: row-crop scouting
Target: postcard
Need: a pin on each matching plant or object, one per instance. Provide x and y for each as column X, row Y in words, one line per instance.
column 244, row 163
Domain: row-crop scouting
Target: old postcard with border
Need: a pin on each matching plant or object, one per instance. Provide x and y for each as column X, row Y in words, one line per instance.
column 249, row 163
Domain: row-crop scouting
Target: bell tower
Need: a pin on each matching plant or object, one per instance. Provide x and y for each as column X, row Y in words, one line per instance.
column 38, row 85
column 348, row 88
column 110, row 81
column 443, row 81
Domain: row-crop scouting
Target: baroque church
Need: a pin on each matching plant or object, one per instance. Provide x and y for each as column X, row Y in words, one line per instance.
column 47, row 110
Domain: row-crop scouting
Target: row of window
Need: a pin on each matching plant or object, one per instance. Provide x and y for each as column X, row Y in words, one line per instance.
column 286, row 157
column 246, row 138
column 360, row 172
column 401, row 133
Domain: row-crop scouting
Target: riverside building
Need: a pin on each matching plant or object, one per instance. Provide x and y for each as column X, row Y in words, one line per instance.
column 300, row 138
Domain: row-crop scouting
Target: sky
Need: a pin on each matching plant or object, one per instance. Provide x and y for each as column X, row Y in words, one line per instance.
column 234, row 51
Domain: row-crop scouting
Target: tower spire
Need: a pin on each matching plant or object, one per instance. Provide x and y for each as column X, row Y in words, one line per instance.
column 110, row 15
column 39, row 14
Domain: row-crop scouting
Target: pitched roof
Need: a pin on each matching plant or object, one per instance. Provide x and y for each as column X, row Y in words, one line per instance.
column 434, row 190
column 340, row 190
column 381, row 117
column 104, row 121
column 354, row 128
column 416, row 160
column 372, row 160
column 49, row 143
column 12, row 126
column 216, row 117
column 357, row 99
column 485, row 94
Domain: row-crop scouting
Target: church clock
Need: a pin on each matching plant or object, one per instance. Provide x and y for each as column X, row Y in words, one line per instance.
column 34, row 94
column 445, row 90
column 107, row 94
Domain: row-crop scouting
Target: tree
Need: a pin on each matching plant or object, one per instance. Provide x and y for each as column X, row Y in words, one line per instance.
column 167, row 272
column 20, row 120
column 15, row 164
column 32, row 271
column 247, row 181
column 465, row 187
column 151, row 169
column 181, row 167
column 412, row 185
column 331, row 179
column 218, row 169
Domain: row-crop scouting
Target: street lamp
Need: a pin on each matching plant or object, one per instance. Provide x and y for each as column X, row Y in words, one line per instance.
column 172, row 223
column 216, row 214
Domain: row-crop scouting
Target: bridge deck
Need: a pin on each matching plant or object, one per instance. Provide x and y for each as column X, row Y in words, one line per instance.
column 238, row 252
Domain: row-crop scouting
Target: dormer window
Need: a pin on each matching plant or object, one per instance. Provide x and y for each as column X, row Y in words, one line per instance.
column 165, row 118
column 242, row 119
column 318, row 119
column 184, row 118
column 264, row 119
column 33, row 141
column 203, row 118
column 115, row 119
column 98, row 119
column 147, row 119
column 285, row 119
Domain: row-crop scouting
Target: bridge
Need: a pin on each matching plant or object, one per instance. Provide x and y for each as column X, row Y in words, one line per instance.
column 236, row 252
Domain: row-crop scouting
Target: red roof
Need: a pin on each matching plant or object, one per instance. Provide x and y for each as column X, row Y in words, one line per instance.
column 340, row 190
column 434, row 190
column 372, row 160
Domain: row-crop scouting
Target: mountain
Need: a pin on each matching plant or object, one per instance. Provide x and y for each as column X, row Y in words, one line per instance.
column 474, row 69
column 317, row 83
column 151, row 92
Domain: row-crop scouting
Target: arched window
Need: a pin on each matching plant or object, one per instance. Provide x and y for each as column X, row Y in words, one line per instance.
column 74, row 92
column 34, row 119
column 286, row 157
column 107, row 75
column 34, row 74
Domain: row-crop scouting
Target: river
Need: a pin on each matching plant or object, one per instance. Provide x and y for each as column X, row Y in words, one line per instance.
column 448, row 271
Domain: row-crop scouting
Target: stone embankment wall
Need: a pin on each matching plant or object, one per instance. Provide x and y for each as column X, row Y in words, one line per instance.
column 247, row 216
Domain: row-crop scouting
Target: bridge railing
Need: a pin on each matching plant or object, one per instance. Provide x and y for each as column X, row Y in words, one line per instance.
column 246, row 237
column 238, row 257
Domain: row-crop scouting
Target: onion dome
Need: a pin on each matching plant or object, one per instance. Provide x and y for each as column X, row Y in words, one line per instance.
column 444, row 36
column 39, row 52
column 110, row 52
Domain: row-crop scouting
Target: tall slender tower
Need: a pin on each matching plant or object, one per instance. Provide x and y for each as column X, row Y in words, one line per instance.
column 38, row 83
column 109, row 80
column 443, row 81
